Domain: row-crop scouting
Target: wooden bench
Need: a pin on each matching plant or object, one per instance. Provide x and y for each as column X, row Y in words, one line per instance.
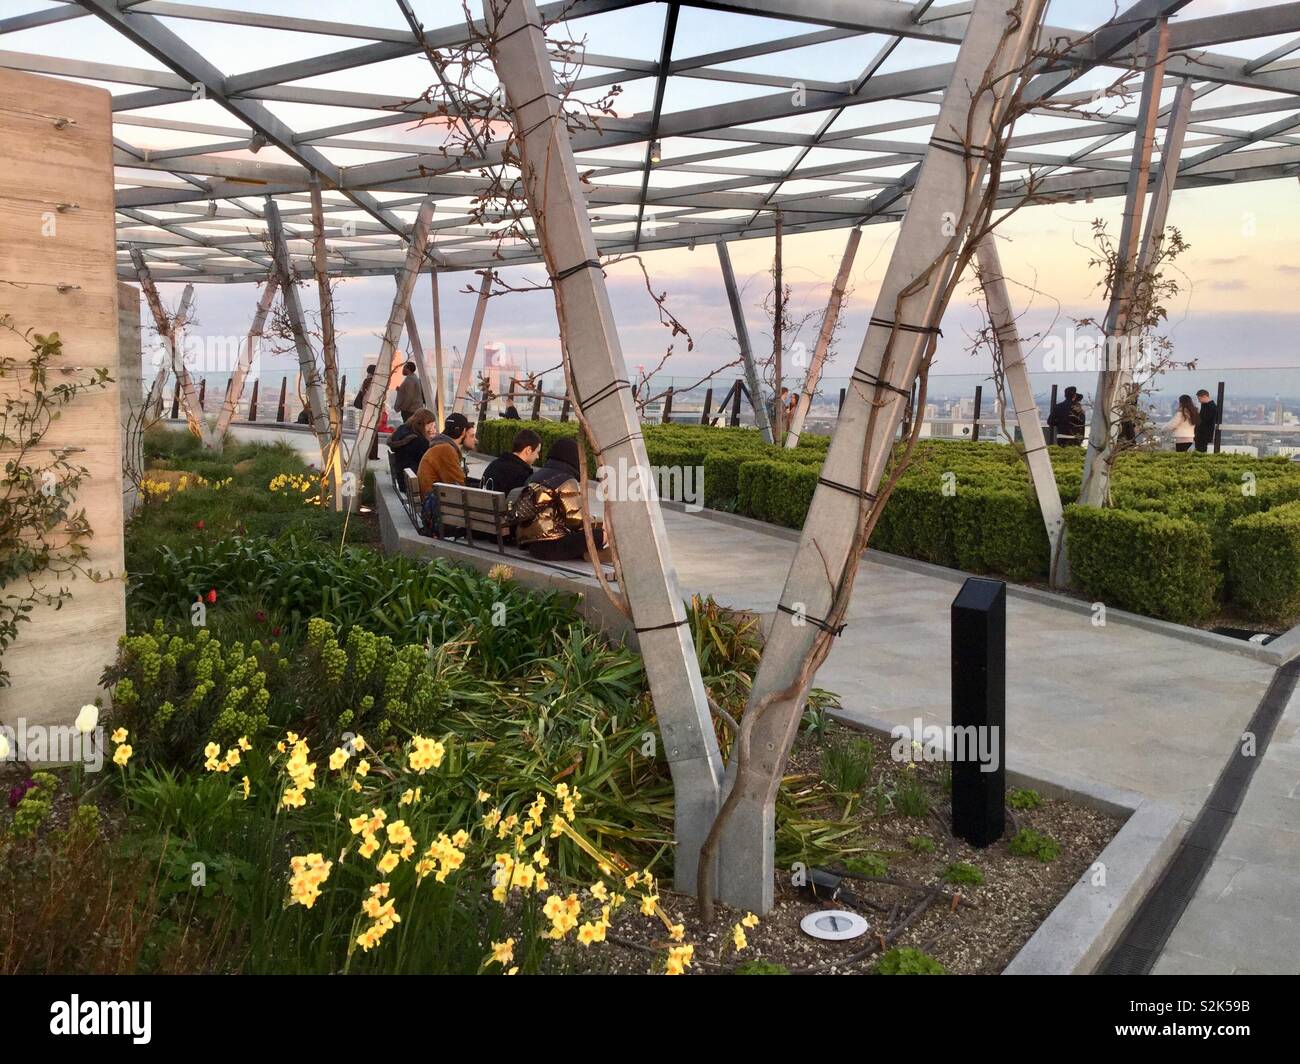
column 479, row 511
column 474, row 510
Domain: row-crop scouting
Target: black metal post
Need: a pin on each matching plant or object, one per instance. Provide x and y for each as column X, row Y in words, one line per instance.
column 252, row 404
column 1051, row 432
column 564, row 410
column 979, row 711
column 279, row 409
column 668, row 406
column 843, row 393
column 975, row 425
column 1218, row 429
column 735, row 403
column 537, row 404
column 176, row 401
column 708, row 406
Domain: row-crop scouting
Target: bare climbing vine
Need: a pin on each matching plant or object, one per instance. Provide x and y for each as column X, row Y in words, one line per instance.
column 43, row 535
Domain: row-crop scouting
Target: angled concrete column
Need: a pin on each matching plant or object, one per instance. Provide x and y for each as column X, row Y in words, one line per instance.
column 997, row 42
column 466, row 381
column 310, row 374
column 389, row 352
column 439, row 377
column 236, row 390
column 171, row 333
column 832, row 315
column 328, row 344
column 1104, row 430
column 994, row 283
column 422, row 371
column 742, row 339
column 601, row 391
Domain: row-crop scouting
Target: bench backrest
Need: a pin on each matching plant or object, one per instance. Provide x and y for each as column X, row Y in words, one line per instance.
column 477, row 509
column 411, row 483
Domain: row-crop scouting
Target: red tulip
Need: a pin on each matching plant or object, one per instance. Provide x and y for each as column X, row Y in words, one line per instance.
column 199, row 524
column 212, row 595
column 276, row 631
column 261, row 617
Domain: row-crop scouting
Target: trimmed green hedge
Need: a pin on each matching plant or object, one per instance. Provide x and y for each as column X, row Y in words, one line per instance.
column 1264, row 562
column 1189, row 533
column 1145, row 562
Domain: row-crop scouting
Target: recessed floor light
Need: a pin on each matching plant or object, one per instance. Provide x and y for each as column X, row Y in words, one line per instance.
column 833, row 925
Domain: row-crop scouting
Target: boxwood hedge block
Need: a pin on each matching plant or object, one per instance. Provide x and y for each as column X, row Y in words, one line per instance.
column 1264, row 562
column 1144, row 562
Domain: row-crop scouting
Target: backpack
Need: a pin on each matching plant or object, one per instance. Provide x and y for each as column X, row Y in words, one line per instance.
column 429, row 514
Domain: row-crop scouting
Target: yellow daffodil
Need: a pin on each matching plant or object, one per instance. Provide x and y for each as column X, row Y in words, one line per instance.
column 119, row 736
column 503, row 952
column 122, row 754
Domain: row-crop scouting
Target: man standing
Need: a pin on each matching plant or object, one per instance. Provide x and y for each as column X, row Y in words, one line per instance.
column 409, row 396
column 1209, row 423
column 1068, row 419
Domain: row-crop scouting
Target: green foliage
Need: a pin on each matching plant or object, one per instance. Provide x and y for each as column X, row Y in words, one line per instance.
column 236, row 500
column 1023, row 798
column 1163, row 551
column 847, row 762
column 176, row 692
column 920, row 844
column 1145, row 562
column 869, row 864
column 34, row 808
column 903, row 960
column 911, row 798
column 290, row 581
column 1030, row 843
column 1264, row 563
column 43, row 536
column 760, row 967
column 960, row 873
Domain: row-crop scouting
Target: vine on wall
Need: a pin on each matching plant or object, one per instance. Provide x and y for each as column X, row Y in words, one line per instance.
column 43, row 537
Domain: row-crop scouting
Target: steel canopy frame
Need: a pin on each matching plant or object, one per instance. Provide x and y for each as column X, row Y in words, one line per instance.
column 194, row 212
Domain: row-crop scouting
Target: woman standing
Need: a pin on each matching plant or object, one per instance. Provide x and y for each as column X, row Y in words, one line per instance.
column 1183, row 424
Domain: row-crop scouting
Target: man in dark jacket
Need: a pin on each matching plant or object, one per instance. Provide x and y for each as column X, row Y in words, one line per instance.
column 1209, row 423
column 1068, row 419
column 512, row 470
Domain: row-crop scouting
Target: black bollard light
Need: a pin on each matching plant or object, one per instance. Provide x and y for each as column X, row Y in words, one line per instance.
column 979, row 711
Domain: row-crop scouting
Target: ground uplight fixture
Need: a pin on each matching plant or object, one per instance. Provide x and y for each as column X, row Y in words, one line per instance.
column 833, row 925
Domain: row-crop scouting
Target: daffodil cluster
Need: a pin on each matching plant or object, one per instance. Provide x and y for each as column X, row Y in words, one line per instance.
column 302, row 773
column 425, row 754
column 309, row 872
column 295, row 482
column 216, row 763
column 383, row 916
column 123, row 752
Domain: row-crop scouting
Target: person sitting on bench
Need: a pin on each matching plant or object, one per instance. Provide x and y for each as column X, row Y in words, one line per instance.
column 444, row 461
column 512, row 470
column 408, row 444
column 548, row 514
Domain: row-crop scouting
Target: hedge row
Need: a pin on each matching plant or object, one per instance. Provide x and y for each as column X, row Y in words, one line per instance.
column 1188, row 532
column 1264, row 562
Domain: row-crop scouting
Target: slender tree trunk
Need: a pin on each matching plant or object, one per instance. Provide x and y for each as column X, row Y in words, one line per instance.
column 829, row 319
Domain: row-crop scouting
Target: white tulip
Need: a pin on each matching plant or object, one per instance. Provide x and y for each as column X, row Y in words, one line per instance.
column 87, row 719
column 4, row 747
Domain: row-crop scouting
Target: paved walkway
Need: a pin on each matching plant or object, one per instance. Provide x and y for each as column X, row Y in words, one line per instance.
column 1120, row 705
